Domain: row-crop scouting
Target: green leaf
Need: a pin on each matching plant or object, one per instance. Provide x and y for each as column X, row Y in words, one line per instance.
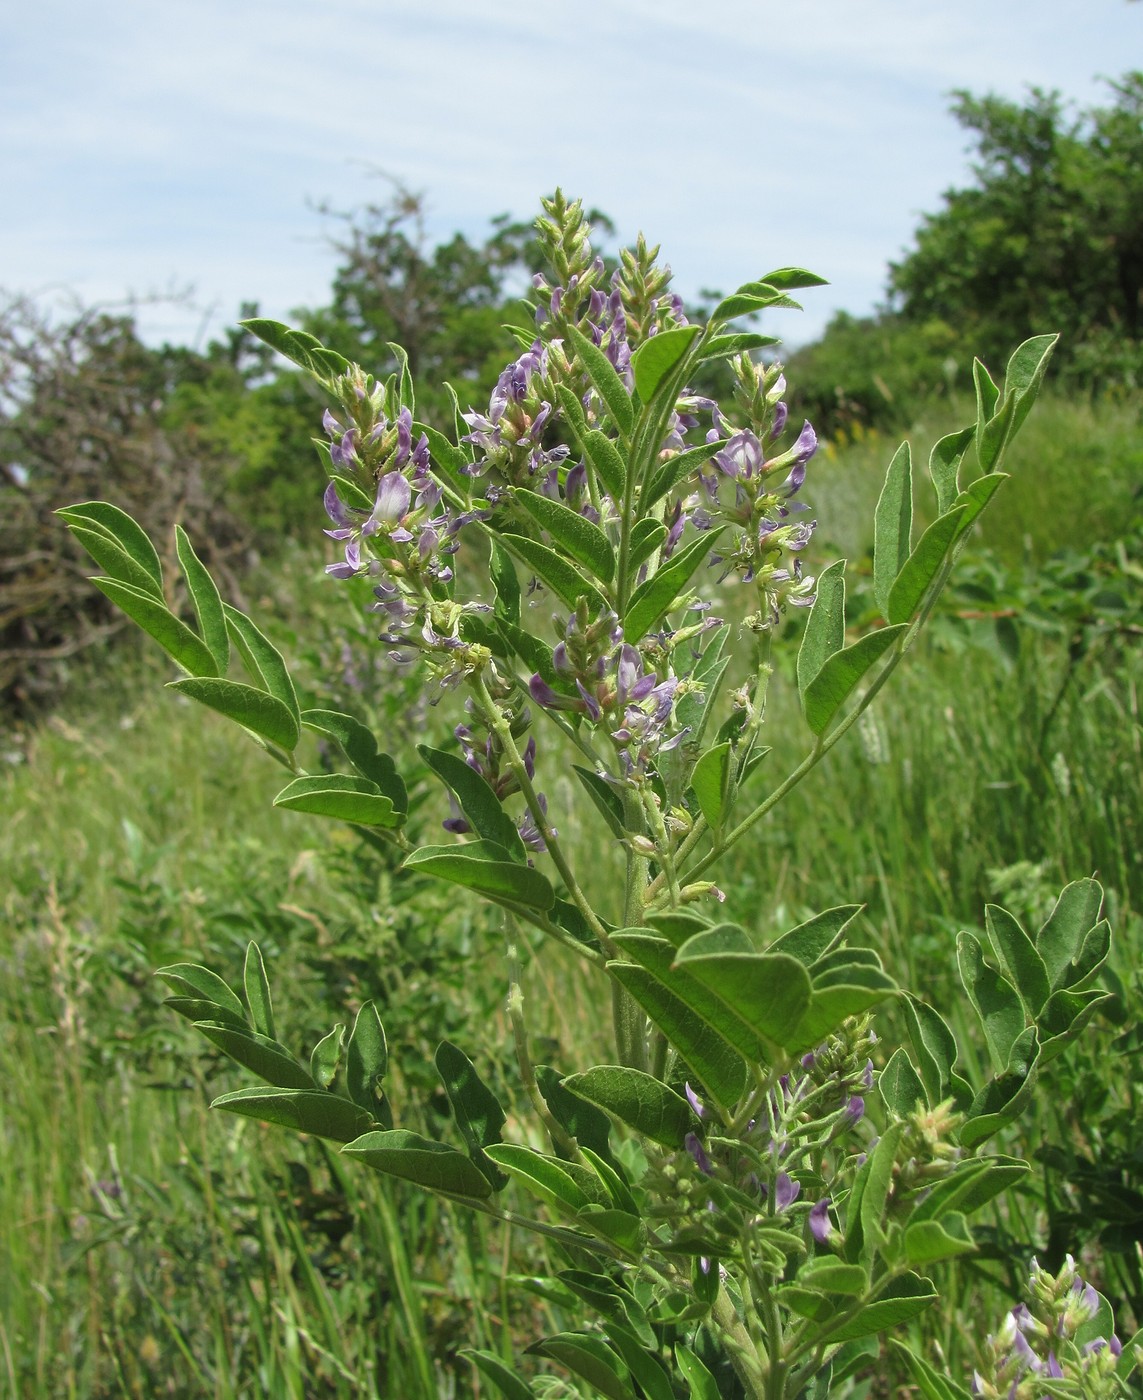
column 831, row 1276
column 903, row 1299
column 931, row 1384
column 114, row 560
column 825, row 630
column 637, row 1099
column 487, row 868
column 265, row 1057
column 625, row 1232
column 790, row 279
column 344, row 798
column 617, row 1187
column 701, row 1384
column 175, row 637
column 675, row 468
column 993, row 998
column 747, row 303
column 878, row 1180
column 131, row 538
column 257, row 987
column 767, row 992
column 710, row 781
column 503, row 573
column 676, row 925
column 1023, row 381
column 813, row 939
column 589, row 1125
column 564, row 1186
column 929, row 1241
column 657, row 357
column 893, row 526
column 567, row 583
column 602, row 374
column 207, row 603
column 987, row 395
column 1092, row 956
column 477, row 800
column 1018, row 959
column 509, row 1385
column 646, row 537
column 475, row 1107
column 262, row 714
column 262, row 660
column 1100, row 1324
column 934, row 1046
column 1062, row 936
column 974, row 499
column 302, row 348
column 613, row 1302
column 366, row 1058
column 411, row 1157
column 585, row 542
column 360, row 747
column 647, row 1370
column 1064, row 1017
column 191, row 980
column 606, row 800
column 900, row 1085
column 325, row 1058
column 718, row 1065
column 944, row 466
column 835, row 682
column 652, row 599
column 972, row 1185
column 197, row 1009
column 719, row 347
column 305, row 1110
column 1004, row 1098
column 923, row 566
column 607, row 462
column 589, row 1357
column 571, row 406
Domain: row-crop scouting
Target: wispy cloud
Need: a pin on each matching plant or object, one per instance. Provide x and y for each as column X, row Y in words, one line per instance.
column 142, row 144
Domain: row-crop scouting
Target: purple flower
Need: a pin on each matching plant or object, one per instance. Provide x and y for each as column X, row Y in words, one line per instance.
column 694, row 1101
column 786, row 1191
column 855, row 1109
column 1054, row 1370
column 530, row 833
column 820, row 1226
column 698, row 1152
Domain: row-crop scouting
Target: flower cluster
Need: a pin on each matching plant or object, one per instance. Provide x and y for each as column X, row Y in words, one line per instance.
column 1047, row 1339
column 484, row 754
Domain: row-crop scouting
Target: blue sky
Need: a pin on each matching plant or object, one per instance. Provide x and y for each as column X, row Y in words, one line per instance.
column 150, row 146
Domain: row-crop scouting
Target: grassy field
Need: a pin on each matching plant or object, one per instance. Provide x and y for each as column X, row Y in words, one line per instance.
column 151, row 1248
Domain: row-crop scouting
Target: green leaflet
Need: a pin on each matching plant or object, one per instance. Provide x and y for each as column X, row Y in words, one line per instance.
column 825, row 630
column 657, row 595
column 922, row 566
column 197, row 1009
column 503, row 573
column 343, row 798
column 305, row 1110
column 118, row 526
column 567, row 583
column 613, row 1302
column 302, row 348
column 191, row 980
column 646, row 537
column 1062, row 936
column 175, row 637
column 893, row 526
column 366, row 1058
column 1018, row 958
column 585, row 542
column 657, row 357
column 564, row 1186
column 262, row 714
column 263, row 660
column 929, row 1241
column 205, row 598
column 900, row 1085
column 1002, row 1099
column 325, row 1058
column 817, row 936
column 944, row 466
column 433, row 1165
column 722, row 346
column 605, row 799
column 934, row 1047
column 114, row 560
column 930, row 1383
column 265, row 1057
column 360, row 746
column 993, row 998
column 835, row 682
column 987, row 395
column 701, row 1384
column 676, row 468
column 477, row 800
column 257, row 987
column 602, row 374
column 588, row 1356
column 607, row 462
column 710, row 782
column 491, row 1366
column 486, row 867
column 767, row 992
column 475, row 1107
column 637, row 1099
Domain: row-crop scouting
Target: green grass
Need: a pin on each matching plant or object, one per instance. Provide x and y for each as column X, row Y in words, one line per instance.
column 152, row 1247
